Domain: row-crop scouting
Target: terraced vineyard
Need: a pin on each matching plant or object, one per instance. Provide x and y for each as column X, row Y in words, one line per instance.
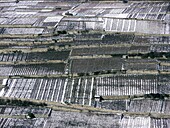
column 84, row 64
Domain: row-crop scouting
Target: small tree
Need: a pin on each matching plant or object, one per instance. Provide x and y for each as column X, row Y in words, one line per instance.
column 30, row 115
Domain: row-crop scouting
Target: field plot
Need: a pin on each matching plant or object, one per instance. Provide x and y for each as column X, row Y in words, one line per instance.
column 80, row 91
column 135, row 122
column 142, row 64
column 52, row 21
column 51, row 90
column 147, row 10
column 157, row 123
column 139, row 49
column 50, row 55
column 137, row 105
column 118, row 17
column 118, row 39
column 121, row 105
column 156, row 40
column 138, row 26
column 88, row 36
column 68, row 25
column 100, row 51
column 146, row 106
column 79, row 25
column 14, row 14
column 32, row 69
column 146, row 42
column 159, row 39
column 5, row 20
column 138, row 61
column 12, row 122
column 165, row 68
column 5, row 70
column 160, row 48
column 164, row 82
column 38, row 69
column 11, row 57
column 75, row 91
column 89, row 12
column 87, row 42
column 165, row 108
column 72, row 119
column 16, row 111
column 96, row 65
column 110, row 16
column 24, row 45
column 23, row 31
column 143, row 67
column 77, row 120
column 126, row 85
column 21, row 22
column 120, row 25
column 155, row 27
column 102, row 9
column 42, row 89
column 84, row 23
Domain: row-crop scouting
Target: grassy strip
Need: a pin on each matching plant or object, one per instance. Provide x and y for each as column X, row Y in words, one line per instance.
column 145, row 96
column 74, row 108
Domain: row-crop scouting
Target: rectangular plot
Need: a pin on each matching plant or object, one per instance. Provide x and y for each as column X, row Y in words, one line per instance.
column 155, row 10
column 74, row 90
column 50, row 55
column 43, row 89
column 120, row 25
column 164, row 9
column 115, row 104
column 97, row 64
column 22, row 31
column 38, row 69
column 11, row 56
column 99, row 51
column 132, row 27
column 126, row 26
column 62, row 90
column 126, row 85
column 53, row 19
column 108, row 24
column 54, row 90
column 80, row 93
column 45, row 92
column 144, row 67
column 5, row 56
column 114, row 24
column 160, row 16
column 23, row 21
column 151, row 16
column 57, row 91
column 51, row 88
column 39, row 91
